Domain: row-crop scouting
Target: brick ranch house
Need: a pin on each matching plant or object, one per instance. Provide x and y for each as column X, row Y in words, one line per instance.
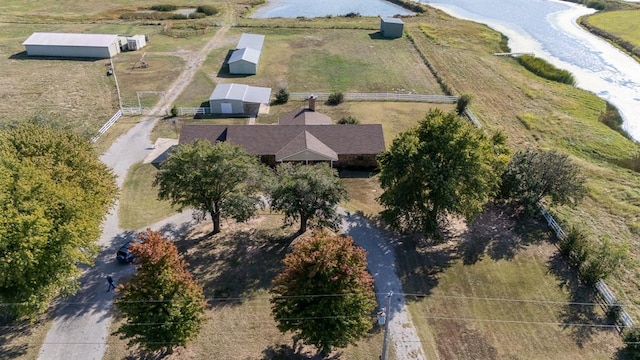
column 302, row 136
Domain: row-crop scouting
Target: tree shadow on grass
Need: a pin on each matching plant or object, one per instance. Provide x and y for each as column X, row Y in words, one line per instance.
column 286, row 352
column 235, row 263
column 11, row 344
column 500, row 235
column 581, row 309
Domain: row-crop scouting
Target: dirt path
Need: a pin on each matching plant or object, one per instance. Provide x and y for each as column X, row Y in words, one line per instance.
column 382, row 265
column 81, row 324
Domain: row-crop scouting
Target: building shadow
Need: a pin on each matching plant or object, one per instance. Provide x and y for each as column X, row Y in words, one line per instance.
column 224, row 72
column 378, row 36
column 23, row 56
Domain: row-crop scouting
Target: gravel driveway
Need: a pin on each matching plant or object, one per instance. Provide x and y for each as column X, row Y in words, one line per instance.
column 382, row 265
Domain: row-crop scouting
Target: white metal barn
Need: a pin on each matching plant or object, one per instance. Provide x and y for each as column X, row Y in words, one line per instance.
column 245, row 59
column 100, row 46
column 238, row 99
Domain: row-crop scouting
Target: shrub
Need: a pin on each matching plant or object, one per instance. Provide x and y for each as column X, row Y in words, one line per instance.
column 197, row 15
column 348, row 120
column 335, row 98
column 207, row 10
column 632, row 339
column 611, row 117
column 545, row 70
column 462, row 103
column 164, row 7
column 174, row 111
column 596, row 4
column 574, row 246
column 352, row 15
column 603, row 262
column 282, row 96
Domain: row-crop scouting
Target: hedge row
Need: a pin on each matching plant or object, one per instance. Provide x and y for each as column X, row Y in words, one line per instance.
column 543, row 69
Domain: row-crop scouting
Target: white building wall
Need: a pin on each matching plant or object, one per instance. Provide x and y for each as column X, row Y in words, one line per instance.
column 73, row 51
column 243, row 67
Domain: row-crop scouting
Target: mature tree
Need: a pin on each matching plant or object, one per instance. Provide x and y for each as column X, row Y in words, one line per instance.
column 308, row 193
column 54, row 194
column 444, row 165
column 163, row 305
column 218, row 180
column 324, row 294
column 535, row 174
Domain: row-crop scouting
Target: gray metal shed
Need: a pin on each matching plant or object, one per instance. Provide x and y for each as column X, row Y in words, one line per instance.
column 245, row 59
column 391, row 27
column 236, row 99
column 101, row 46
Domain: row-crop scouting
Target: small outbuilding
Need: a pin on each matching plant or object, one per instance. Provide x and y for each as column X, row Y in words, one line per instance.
column 236, row 99
column 391, row 27
column 245, row 59
column 98, row 46
column 136, row 42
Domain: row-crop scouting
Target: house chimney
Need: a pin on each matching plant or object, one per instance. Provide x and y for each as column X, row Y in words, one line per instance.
column 312, row 102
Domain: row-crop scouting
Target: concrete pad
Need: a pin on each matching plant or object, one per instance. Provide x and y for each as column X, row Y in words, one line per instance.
column 160, row 150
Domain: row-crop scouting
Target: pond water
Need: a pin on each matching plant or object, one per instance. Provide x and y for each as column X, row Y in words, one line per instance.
column 309, row 8
column 549, row 29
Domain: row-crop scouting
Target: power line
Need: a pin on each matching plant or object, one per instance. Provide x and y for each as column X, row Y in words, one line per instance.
column 418, row 295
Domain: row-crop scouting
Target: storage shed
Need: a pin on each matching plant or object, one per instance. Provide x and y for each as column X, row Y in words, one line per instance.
column 100, row 46
column 136, row 42
column 391, row 27
column 245, row 59
column 236, row 99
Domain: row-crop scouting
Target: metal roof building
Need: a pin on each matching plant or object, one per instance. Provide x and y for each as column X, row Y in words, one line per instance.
column 245, row 59
column 391, row 27
column 237, row 99
column 101, row 46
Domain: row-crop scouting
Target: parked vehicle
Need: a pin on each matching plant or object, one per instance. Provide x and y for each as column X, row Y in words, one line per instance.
column 124, row 254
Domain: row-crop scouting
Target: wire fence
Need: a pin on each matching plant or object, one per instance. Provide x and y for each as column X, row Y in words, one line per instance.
column 354, row 96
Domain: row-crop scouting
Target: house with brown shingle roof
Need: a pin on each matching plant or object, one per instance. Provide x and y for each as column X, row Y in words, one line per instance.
column 303, row 136
column 344, row 146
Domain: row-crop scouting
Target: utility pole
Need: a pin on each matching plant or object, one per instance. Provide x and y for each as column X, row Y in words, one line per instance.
column 385, row 341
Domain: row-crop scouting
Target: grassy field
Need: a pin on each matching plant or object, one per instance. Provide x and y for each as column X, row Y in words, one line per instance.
column 325, row 60
column 623, row 24
column 236, row 268
column 537, row 113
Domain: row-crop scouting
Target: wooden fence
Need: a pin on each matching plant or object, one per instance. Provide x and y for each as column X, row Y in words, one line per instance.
column 380, row 97
column 107, row 125
column 608, row 298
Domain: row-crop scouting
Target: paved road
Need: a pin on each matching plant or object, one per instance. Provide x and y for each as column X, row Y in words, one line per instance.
column 382, row 265
column 81, row 323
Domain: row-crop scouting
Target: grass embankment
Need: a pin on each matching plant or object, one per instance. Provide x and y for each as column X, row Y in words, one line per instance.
column 620, row 27
column 236, row 268
column 538, row 113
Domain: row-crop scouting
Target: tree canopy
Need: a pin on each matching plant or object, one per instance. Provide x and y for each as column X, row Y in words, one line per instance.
column 443, row 166
column 163, row 294
column 54, row 194
column 324, row 294
column 535, row 174
column 219, row 180
column 308, row 193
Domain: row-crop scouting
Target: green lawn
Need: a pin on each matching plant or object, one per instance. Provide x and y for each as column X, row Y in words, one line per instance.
column 623, row 24
column 139, row 204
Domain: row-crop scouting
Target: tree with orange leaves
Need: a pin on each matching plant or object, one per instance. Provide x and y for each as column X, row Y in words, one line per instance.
column 162, row 303
column 325, row 294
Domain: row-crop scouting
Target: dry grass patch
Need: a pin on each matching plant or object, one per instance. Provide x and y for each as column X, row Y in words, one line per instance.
column 498, row 290
column 22, row 341
column 236, row 268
